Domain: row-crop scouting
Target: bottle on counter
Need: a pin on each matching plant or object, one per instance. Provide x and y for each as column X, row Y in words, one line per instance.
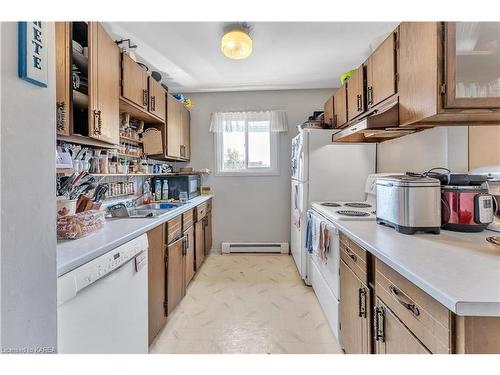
column 164, row 190
column 158, row 190
column 146, row 190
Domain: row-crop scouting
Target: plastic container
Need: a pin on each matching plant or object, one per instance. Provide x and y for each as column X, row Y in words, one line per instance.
column 72, row 227
column 66, row 207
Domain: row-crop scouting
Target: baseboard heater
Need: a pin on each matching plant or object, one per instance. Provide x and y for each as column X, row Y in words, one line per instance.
column 255, row 247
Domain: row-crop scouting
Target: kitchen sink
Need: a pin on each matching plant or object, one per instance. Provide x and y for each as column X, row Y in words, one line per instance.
column 158, row 206
column 142, row 211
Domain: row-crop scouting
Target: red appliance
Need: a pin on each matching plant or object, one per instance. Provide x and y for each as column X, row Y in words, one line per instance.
column 466, row 208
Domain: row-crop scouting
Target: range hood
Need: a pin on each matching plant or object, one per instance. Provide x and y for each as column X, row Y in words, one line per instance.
column 378, row 125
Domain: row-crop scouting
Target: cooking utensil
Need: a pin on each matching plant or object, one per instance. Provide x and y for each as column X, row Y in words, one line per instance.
column 495, row 240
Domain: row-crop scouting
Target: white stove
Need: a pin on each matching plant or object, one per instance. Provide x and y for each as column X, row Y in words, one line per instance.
column 354, row 210
column 346, row 210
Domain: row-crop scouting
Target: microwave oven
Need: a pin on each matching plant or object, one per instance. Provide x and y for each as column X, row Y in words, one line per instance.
column 188, row 183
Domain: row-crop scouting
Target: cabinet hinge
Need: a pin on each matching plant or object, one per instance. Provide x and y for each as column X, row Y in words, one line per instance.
column 443, row 89
column 397, row 77
column 396, row 44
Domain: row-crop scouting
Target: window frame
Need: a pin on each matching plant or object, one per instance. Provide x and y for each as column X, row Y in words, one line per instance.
column 273, row 170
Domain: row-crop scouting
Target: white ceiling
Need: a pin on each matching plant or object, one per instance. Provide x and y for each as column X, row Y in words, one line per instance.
column 286, row 55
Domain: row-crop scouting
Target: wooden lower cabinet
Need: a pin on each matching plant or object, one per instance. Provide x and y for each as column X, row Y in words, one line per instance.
column 405, row 319
column 199, row 243
column 208, row 233
column 176, row 268
column 392, row 336
column 157, row 316
column 354, row 313
column 190, row 248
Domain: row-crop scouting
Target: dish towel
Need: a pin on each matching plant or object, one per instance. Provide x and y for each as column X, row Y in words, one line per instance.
column 325, row 241
column 309, row 232
column 316, row 233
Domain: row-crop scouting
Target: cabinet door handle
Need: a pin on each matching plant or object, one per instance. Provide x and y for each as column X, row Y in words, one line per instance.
column 358, row 99
column 379, row 324
column 369, row 95
column 404, row 300
column 153, row 103
column 97, row 122
column 145, row 97
column 60, row 115
column 350, row 254
column 362, row 302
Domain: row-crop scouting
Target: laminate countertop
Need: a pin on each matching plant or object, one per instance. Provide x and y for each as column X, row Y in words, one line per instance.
column 72, row 254
column 460, row 270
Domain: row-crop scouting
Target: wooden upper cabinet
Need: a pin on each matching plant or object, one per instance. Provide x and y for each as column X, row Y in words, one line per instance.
column 328, row 112
column 173, row 127
column 484, row 146
column 418, row 71
column 176, row 287
column 448, row 81
column 185, row 150
column 392, row 336
column 472, row 55
column 355, row 94
column 157, row 99
column 381, row 72
column 104, row 85
column 340, row 106
column 134, row 82
column 354, row 313
column 63, row 78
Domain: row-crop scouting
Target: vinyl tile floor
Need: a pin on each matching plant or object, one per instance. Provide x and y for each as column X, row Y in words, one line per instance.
column 242, row 303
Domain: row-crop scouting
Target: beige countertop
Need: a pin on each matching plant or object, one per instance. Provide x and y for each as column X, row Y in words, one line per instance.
column 72, row 254
column 460, row 270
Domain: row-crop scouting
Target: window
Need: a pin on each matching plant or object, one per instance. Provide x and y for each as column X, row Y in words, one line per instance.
column 247, row 147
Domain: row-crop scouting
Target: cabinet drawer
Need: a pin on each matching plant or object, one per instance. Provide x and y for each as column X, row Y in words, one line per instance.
column 391, row 336
column 174, row 229
column 201, row 211
column 355, row 257
column 187, row 219
column 427, row 319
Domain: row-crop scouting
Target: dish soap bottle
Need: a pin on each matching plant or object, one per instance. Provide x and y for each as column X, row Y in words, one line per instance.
column 146, row 190
column 164, row 191
column 158, row 190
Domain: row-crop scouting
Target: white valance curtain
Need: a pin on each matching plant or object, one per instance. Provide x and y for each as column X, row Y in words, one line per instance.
column 235, row 121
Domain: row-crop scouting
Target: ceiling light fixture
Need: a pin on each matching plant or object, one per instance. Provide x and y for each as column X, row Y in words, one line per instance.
column 236, row 42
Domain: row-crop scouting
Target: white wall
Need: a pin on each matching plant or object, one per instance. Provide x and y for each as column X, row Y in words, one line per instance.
column 437, row 147
column 250, row 208
column 28, row 237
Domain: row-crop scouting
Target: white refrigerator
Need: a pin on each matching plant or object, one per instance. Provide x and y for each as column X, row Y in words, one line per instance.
column 324, row 171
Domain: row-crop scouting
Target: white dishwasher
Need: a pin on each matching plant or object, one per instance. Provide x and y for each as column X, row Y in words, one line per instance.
column 103, row 304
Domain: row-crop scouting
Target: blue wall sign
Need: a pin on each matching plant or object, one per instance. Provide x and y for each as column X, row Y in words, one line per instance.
column 33, row 54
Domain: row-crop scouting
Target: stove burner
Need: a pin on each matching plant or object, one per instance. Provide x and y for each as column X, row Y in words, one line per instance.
column 330, row 204
column 358, row 205
column 352, row 213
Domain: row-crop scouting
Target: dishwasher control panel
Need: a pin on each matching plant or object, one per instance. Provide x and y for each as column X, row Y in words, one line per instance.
column 69, row 284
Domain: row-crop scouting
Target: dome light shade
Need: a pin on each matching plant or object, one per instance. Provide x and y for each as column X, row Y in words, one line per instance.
column 236, row 44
